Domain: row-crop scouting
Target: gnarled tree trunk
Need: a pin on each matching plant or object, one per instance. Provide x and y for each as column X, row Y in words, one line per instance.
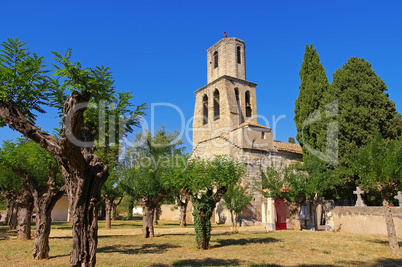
column 82, row 170
column 83, row 189
column 108, row 210
column 12, row 208
column 183, row 212
column 130, row 209
column 44, row 205
column 114, row 208
column 24, row 215
column 148, row 213
column 44, row 199
column 233, row 218
column 392, row 239
column 84, row 175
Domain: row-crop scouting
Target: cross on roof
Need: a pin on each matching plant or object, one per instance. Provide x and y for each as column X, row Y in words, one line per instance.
column 399, row 198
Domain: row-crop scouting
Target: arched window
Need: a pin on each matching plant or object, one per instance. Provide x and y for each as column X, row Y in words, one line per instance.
column 205, row 109
column 216, row 105
column 215, row 59
column 238, row 55
column 248, row 104
column 241, row 119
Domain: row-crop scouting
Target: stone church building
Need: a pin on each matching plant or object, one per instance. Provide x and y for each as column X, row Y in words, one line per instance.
column 225, row 121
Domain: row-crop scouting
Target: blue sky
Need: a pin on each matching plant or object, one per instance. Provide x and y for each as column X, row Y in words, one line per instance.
column 157, row 49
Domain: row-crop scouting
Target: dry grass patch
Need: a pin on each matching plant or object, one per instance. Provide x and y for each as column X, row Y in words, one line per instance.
column 123, row 246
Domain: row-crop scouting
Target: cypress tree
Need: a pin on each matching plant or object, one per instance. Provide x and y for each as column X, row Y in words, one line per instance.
column 314, row 83
column 364, row 108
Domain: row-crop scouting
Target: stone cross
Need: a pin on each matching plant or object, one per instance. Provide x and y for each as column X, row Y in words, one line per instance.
column 399, row 198
column 359, row 201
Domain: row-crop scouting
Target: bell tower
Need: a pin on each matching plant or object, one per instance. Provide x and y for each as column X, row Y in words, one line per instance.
column 227, row 57
column 227, row 103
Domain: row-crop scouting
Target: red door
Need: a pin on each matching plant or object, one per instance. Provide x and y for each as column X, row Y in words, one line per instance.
column 280, row 208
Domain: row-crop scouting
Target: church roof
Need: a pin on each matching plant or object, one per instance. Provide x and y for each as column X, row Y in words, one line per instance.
column 288, row 147
column 253, row 124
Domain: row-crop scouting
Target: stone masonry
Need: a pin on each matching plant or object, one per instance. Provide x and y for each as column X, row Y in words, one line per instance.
column 225, row 118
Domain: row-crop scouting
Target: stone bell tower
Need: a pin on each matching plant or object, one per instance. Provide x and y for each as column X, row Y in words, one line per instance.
column 227, row 57
column 225, row 123
column 226, row 103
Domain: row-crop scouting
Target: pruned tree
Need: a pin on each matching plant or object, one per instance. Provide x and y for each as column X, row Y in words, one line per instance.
column 204, row 183
column 18, row 196
column 182, row 203
column 112, row 194
column 147, row 176
column 379, row 166
column 25, row 88
column 235, row 200
column 40, row 177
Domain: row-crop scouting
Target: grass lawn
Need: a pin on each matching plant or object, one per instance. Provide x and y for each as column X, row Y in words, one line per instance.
column 174, row 246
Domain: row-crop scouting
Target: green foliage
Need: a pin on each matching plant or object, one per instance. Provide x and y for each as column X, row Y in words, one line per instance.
column 150, row 163
column 205, row 182
column 112, row 186
column 3, row 204
column 380, row 163
column 29, row 157
column 202, row 213
column 96, row 81
column 23, row 79
column 202, row 175
column 292, row 140
column 286, row 182
column 364, row 108
column 314, row 83
column 111, row 113
column 236, row 198
column 295, row 181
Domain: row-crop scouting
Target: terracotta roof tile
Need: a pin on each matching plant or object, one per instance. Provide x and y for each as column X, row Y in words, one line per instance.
column 288, row 147
column 252, row 124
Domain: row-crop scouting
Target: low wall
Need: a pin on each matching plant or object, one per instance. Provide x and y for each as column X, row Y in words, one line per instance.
column 365, row 220
column 170, row 214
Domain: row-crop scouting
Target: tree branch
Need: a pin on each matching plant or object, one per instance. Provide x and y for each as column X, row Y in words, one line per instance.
column 219, row 193
column 11, row 115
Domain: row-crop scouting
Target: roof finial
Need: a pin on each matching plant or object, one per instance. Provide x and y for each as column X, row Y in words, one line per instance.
column 225, row 35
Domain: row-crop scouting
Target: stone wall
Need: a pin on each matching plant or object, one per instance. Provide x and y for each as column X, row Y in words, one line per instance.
column 169, row 213
column 226, row 49
column 364, row 220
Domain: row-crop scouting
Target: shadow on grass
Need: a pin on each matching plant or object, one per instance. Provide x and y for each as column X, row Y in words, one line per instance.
column 203, row 262
column 244, row 241
column 265, row 265
column 382, row 242
column 388, row 262
column 133, row 249
column 58, row 256
column 5, row 233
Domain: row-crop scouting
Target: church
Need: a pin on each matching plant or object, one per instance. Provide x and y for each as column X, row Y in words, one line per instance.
column 225, row 121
